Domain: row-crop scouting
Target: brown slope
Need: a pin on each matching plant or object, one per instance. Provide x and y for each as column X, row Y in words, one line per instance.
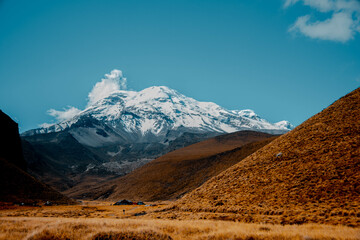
column 177, row 172
column 16, row 185
column 317, row 178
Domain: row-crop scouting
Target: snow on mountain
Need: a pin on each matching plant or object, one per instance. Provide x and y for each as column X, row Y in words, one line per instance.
column 150, row 114
column 284, row 125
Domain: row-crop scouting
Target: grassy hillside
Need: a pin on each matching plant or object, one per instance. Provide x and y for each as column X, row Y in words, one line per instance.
column 316, row 178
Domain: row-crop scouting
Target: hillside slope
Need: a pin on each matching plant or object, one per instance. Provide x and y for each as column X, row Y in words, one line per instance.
column 16, row 184
column 180, row 171
column 316, row 178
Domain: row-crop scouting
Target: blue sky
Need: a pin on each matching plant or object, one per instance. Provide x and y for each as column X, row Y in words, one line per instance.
column 286, row 60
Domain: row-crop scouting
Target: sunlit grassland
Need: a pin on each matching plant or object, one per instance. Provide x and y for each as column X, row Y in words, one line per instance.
column 110, row 222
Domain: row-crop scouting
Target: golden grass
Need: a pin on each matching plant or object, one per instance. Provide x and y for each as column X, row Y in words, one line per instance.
column 96, row 210
column 100, row 220
column 36, row 228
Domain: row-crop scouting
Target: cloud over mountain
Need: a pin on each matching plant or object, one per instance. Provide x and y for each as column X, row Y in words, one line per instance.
column 65, row 114
column 111, row 83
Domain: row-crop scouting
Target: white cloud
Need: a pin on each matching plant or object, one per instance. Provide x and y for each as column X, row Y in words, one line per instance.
column 342, row 26
column 289, row 3
column 337, row 28
column 321, row 5
column 327, row 5
column 111, row 83
column 64, row 115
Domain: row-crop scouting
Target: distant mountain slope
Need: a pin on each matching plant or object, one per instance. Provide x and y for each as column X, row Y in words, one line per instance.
column 180, row 171
column 58, row 158
column 62, row 162
column 311, row 174
column 16, row 185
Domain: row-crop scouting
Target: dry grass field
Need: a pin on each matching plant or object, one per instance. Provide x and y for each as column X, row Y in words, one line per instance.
column 96, row 220
column 75, row 211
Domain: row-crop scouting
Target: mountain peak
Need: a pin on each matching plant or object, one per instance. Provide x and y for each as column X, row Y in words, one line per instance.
column 161, row 88
column 285, row 124
column 247, row 113
column 156, row 92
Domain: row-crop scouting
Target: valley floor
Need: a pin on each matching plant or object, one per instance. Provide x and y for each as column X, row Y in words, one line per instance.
column 104, row 221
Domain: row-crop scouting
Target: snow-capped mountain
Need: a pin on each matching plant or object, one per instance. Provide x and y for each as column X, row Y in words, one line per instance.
column 122, row 130
column 151, row 114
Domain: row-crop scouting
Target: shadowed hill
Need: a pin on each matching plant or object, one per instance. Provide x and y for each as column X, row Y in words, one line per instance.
column 316, row 178
column 10, row 143
column 16, row 185
column 180, row 171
